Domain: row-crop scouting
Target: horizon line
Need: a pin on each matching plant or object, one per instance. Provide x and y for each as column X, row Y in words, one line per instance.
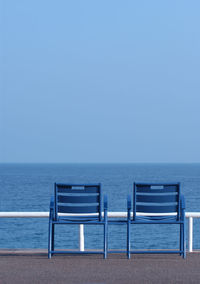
column 99, row 163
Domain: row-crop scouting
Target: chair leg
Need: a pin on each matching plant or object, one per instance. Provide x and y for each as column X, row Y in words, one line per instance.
column 184, row 240
column 128, row 240
column 181, row 239
column 105, row 240
column 50, row 239
column 53, row 234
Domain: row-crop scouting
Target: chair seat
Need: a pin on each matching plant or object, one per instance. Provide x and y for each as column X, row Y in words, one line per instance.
column 77, row 219
column 157, row 219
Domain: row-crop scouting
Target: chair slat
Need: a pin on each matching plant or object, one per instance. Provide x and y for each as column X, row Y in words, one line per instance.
column 157, row 188
column 78, row 199
column 156, row 209
column 164, row 190
column 76, row 189
column 157, row 198
column 80, row 209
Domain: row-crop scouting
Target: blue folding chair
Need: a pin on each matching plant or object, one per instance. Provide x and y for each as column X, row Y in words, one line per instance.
column 76, row 204
column 157, row 204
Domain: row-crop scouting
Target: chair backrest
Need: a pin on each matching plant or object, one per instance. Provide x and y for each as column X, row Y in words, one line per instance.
column 78, row 199
column 156, row 198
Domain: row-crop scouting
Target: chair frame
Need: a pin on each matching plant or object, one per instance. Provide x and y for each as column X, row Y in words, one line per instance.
column 179, row 220
column 75, row 218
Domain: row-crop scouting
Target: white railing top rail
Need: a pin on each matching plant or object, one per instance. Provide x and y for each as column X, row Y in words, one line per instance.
column 46, row 214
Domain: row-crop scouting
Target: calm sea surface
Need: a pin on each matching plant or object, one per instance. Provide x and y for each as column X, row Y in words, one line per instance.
column 28, row 187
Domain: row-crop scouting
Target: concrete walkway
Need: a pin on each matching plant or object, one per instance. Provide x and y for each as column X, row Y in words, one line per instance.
column 34, row 267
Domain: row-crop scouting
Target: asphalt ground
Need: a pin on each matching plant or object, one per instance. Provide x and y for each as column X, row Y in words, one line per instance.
column 34, row 267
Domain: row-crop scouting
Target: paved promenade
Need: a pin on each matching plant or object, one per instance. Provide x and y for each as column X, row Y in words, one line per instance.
column 34, row 267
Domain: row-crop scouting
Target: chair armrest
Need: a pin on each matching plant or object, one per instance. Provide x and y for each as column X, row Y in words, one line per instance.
column 182, row 202
column 105, row 207
column 52, row 203
column 128, row 202
column 182, row 207
column 51, row 207
column 129, row 207
column 105, row 202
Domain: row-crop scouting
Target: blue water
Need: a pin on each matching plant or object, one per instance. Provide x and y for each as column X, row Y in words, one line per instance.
column 28, row 187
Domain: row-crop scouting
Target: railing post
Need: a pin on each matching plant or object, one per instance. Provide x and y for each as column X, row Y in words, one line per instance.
column 81, row 237
column 190, row 234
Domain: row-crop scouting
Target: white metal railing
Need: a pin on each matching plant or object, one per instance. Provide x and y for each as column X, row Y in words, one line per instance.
column 189, row 215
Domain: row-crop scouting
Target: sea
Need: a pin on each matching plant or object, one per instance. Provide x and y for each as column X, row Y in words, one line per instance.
column 28, row 187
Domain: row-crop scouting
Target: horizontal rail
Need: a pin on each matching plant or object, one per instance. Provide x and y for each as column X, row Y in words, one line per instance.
column 189, row 215
column 110, row 214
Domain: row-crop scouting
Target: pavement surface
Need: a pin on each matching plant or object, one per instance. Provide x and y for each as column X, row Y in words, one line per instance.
column 34, row 267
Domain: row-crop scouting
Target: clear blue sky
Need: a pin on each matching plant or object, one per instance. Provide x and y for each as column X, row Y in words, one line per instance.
column 100, row 81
